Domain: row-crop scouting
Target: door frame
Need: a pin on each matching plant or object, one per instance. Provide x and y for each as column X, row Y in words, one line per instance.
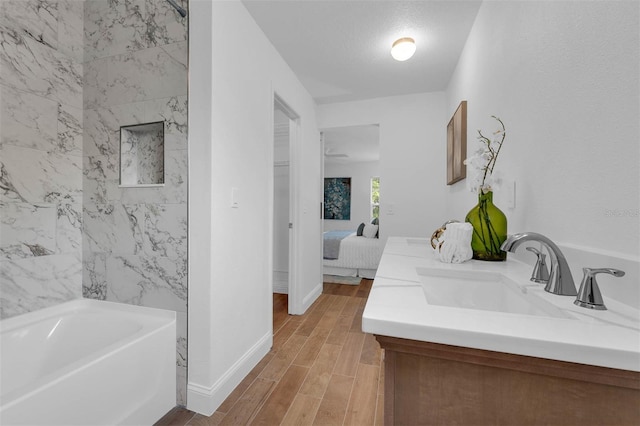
column 294, row 302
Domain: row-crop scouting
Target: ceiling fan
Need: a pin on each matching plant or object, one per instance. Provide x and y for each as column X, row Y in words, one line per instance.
column 329, row 153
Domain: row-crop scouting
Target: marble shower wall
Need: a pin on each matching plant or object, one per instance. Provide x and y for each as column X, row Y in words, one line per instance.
column 135, row 239
column 41, row 55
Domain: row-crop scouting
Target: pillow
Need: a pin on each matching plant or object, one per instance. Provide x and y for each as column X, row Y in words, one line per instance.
column 360, row 229
column 370, row 231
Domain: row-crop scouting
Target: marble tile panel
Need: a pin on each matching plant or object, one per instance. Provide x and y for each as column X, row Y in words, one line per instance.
column 113, row 228
column 181, row 337
column 27, row 230
column 181, row 357
column 33, row 67
column 156, row 282
column 113, row 28
column 153, row 73
column 22, row 64
column 165, row 230
column 70, row 29
column 101, row 131
column 94, row 275
column 173, row 111
column 69, row 81
column 37, row 19
column 38, row 282
column 35, row 176
column 28, row 120
column 69, row 138
column 179, row 54
column 100, row 183
column 69, row 228
column 94, row 87
column 174, row 190
column 181, row 386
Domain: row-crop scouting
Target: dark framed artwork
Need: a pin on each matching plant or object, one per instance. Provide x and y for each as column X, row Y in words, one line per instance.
column 337, row 198
column 457, row 145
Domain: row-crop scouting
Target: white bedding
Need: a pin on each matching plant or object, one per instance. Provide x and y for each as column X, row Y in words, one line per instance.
column 357, row 253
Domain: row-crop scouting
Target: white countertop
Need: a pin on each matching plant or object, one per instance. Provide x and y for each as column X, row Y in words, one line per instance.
column 397, row 307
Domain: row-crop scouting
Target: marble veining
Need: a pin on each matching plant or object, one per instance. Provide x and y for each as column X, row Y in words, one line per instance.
column 38, row 69
column 94, row 275
column 37, row 176
column 38, row 282
column 71, row 28
column 27, row 230
column 37, row 20
column 40, row 153
column 28, row 120
column 153, row 73
column 156, row 282
column 69, row 138
column 112, row 228
column 120, row 26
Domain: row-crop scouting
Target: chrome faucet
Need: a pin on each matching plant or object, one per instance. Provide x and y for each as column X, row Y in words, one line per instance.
column 560, row 278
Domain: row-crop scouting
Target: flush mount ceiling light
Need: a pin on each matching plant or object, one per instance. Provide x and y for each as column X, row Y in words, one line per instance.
column 403, row 48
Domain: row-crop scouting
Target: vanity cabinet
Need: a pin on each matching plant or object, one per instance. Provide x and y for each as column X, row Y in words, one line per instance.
column 438, row 384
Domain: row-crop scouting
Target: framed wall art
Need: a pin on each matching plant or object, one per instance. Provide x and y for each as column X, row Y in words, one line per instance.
column 457, row 145
column 337, row 198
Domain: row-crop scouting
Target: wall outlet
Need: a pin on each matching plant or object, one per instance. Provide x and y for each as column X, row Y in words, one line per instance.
column 390, row 209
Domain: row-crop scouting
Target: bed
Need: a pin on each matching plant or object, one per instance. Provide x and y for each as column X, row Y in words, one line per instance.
column 358, row 256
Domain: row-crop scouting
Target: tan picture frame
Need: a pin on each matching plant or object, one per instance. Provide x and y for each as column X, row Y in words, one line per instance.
column 457, row 145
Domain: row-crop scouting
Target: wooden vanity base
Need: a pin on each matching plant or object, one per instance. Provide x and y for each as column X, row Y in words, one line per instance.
column 435, row 384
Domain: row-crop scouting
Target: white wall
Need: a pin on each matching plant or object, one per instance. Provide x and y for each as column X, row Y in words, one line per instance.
column 412, row 157
column 563, row 76
column 360, row 174
column 231, row 146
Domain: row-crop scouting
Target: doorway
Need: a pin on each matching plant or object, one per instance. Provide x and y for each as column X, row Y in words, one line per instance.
column 353, row 152
column 285, row 133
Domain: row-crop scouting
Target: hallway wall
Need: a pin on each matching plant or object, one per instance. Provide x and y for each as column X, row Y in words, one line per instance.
column 231, row 146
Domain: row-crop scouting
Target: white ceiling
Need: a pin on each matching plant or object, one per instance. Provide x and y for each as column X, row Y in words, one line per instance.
column 340, row 51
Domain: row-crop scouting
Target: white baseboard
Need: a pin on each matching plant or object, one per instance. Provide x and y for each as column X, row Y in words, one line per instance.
column 311, row 297
column 206, row 400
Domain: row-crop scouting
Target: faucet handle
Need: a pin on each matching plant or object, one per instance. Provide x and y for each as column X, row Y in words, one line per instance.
column 540, row 272
column 589, row 295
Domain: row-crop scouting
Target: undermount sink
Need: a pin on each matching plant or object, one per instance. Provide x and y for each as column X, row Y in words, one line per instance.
column 482, row 290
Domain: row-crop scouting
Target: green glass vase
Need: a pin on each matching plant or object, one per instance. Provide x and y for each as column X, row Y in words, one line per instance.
column 489, row 229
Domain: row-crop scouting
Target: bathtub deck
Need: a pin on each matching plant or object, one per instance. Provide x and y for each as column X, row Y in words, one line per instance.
column 322, row 369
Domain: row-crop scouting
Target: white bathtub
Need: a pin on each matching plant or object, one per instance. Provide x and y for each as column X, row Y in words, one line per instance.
column 87, row 362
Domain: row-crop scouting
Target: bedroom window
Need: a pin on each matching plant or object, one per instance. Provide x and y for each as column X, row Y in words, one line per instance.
column 375, row 197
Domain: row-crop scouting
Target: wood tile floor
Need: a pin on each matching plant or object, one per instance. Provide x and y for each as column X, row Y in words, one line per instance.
column 322, row 370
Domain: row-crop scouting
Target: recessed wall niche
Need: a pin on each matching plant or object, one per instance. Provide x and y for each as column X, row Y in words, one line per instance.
column 142, row 155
